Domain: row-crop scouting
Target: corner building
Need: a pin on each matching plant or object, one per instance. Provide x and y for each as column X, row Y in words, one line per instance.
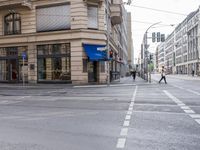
column 58, row 41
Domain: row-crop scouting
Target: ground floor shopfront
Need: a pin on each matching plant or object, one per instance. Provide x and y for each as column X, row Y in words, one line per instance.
column 192, row 68
column 54, row 63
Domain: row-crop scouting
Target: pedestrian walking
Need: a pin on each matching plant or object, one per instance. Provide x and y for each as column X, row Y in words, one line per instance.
column 163, row 74
column 133, row 73
column 192, row 72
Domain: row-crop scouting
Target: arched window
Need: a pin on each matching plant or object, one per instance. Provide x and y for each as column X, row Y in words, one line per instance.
column 12, row 24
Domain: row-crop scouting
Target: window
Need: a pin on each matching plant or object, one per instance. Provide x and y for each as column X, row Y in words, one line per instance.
column 92, row 17
column 85, row 68
column 54, row 62
column 12, row 24
column 102, row 65
column 53, row 18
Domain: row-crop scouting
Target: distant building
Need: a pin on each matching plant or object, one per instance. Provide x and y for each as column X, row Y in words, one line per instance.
column 182, row 46
column 161, row 56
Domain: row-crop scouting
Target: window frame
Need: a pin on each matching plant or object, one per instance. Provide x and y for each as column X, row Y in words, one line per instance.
column 14, row 17
column 97, row 19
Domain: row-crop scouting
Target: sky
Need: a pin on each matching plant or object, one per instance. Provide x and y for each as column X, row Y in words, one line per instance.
column 142, row 18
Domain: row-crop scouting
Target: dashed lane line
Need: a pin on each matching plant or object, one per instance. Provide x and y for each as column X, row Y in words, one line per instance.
column 124, row 131
column 195, row 116
column 189, row 90
column 185, row 108
column 126, row 123
column 198, row 121
column 121, row 143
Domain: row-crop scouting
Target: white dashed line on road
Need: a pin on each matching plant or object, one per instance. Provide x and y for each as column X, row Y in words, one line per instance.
column 121, row 143
column 126, row 123
column 128, row 117
column 129, row 112
column 124, row 131
column 194, row 92
column 195, row 116
column 188, row 111
column 185, row 108
column 198, row 121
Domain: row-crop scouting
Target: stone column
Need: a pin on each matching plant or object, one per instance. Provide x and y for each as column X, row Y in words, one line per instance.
column 32, row 63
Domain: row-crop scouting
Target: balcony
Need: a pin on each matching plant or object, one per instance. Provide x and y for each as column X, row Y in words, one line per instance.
column 10, row 4
column 116, row 12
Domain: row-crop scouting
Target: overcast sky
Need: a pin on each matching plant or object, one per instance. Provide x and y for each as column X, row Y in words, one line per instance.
column 142, row 18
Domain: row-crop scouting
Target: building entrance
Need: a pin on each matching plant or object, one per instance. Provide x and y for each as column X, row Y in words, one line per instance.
column 92, row 71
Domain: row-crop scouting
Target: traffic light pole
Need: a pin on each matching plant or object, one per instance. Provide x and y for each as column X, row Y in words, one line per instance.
column 146, row 68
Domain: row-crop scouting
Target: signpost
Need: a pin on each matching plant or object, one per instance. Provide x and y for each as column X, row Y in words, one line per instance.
column 23, row 69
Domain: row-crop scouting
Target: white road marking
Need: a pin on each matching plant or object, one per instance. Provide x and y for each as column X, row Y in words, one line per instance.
column 5, row 102
column 130, row 108
column 129, row 112
column 126, row 123
column 121, row 142
column 131, row 105
column 128, row 117
column 192, row 91
column 195, row 115
column 181, row 104
column 185, row 107
column 198, row 121
column 189, row 111
column 197, row 93
column 124, row 132
column 96, row 86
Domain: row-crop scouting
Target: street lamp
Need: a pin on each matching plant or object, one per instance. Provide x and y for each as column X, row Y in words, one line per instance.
column 145, row 51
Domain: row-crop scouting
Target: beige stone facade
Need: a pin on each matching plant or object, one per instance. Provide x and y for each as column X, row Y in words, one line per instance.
column 75, row 36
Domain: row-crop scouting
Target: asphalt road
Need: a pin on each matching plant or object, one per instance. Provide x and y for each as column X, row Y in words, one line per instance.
column 130, row 115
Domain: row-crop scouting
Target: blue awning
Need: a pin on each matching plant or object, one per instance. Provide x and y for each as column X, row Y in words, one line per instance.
column 96, row 52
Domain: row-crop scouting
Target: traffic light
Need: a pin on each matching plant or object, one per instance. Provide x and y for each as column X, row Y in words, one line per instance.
column 162, row 37
column 151, row 56
column 153, row 37
column 110, row 54
column 158, row 36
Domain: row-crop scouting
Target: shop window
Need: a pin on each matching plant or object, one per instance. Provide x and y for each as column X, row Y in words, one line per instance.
column 54, row 63
column 12, row 24
column 12, row 64
column 92, row 17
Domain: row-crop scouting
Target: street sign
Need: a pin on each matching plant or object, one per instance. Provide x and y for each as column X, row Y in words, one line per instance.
column 24, row 55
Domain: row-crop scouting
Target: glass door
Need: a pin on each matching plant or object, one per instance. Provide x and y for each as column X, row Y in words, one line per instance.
column 92, row 71
column 13, row 71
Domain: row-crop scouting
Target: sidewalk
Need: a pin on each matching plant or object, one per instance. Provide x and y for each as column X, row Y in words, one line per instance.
column 178, row 76
column 125, row 81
